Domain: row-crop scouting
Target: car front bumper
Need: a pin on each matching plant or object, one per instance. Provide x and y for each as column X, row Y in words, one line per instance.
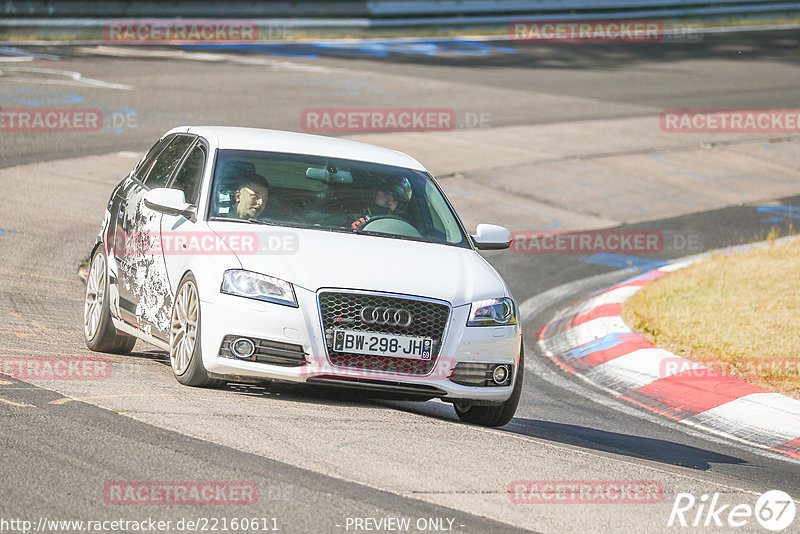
column 226, row 315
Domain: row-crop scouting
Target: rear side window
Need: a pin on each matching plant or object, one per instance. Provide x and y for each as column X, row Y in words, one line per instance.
column 167, row 161
column 147, row 162
column 190, row 174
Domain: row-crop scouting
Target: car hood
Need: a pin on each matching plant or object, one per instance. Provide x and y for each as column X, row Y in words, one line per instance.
column 315, row 259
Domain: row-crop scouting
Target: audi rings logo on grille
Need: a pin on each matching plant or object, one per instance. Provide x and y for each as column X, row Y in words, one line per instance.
column 385, row 316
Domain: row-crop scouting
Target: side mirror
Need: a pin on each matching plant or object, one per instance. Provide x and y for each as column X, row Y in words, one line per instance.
column 168, row 201
column 491, row 237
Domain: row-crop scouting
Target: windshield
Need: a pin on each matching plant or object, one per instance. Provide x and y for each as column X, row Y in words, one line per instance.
column 332, row 194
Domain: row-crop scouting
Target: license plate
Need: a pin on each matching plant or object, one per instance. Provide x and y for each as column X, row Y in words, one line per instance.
column 374, row 344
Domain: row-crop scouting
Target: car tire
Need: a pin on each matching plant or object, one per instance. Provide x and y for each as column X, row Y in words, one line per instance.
column 98, row 328
column 494, row 416
column 185, row 351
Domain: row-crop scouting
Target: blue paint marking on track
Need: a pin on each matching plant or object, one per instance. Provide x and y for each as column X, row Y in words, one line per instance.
column 773, row 220
column 604, row 343
column 37, row 97
column 274, row 49
column 456, row 47
column 783, row 211
column 2, row 232
column 388, row 48
column 620, row 261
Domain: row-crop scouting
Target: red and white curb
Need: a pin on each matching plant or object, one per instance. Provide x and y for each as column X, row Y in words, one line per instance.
column 590, row 339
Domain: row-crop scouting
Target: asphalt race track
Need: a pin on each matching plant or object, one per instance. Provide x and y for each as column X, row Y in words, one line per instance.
column 321, row 459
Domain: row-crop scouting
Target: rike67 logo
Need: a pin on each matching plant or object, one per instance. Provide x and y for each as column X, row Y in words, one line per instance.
column 774, row 510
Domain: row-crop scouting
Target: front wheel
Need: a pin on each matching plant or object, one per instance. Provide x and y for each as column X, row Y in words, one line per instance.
column 494, row 416
column 185, row 353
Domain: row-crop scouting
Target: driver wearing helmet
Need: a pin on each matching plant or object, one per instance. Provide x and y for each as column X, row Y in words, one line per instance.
column 391, row 194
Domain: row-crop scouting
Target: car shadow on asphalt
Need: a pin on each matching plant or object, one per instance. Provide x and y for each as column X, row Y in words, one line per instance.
column 306, row 394
column 657, row 450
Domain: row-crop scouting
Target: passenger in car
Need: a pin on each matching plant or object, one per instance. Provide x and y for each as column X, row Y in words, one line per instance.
column 250, row 198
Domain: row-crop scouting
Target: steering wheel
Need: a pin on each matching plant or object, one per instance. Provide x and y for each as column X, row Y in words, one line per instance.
column 392, row 225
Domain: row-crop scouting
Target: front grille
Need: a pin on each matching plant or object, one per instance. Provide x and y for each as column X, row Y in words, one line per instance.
column 268, row 351
column 343, row 310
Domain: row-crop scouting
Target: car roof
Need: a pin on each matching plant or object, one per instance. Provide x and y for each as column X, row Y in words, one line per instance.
column 239, row 138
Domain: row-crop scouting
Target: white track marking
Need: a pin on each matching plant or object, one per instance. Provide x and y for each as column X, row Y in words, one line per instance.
column 638, row 368
column 771, row 418
column 214, row 57
column 587, row 332
column 57, row 77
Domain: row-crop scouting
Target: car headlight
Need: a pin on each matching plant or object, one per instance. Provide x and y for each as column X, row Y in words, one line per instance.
column 258, row 286
column 493, row 312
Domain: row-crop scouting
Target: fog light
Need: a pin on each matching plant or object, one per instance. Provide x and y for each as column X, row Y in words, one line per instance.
column 500, row 374
column 242, row 348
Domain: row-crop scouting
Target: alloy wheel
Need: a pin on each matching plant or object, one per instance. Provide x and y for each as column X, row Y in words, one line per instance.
column 183, row 328
column 95, row 293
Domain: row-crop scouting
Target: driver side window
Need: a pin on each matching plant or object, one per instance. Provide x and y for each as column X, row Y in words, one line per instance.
column 191, row 174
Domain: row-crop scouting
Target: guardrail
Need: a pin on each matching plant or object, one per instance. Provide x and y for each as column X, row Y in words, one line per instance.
column 385, row 12
column 85, row 21
column 477, row 12
column 415, row 8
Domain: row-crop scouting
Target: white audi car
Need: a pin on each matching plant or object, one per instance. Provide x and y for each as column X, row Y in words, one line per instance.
column 260, row 254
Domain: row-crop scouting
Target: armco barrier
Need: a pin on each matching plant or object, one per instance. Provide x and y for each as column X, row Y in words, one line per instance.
column 89, row 9
column 415, row 8
column 383, row 13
